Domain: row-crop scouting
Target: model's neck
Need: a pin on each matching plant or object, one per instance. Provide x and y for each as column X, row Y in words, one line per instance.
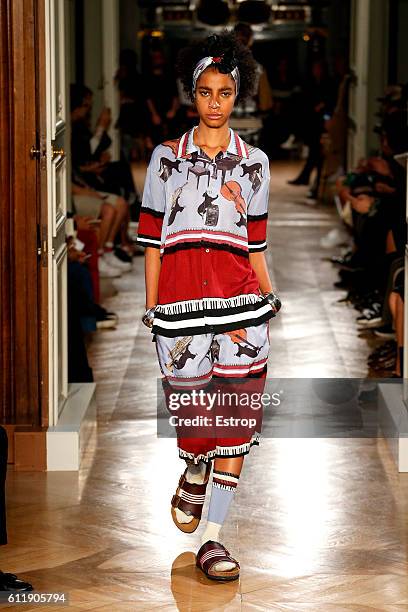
column 211, row 137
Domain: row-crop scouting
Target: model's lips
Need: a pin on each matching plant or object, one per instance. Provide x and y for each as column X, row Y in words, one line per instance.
column 214, row 116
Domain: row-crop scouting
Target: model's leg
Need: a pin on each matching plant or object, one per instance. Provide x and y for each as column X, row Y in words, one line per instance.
column 225, row 480
column 227, row 469
column 197, row 366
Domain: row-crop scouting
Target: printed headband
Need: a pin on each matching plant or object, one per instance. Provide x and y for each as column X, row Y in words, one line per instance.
column 208, row 61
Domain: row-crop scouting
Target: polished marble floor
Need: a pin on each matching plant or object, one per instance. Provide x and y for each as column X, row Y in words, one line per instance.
column 318, row 524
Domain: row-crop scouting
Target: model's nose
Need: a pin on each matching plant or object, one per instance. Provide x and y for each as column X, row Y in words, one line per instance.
column 214, row 104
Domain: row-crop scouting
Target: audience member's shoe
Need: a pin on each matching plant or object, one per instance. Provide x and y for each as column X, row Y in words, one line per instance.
column 121, row 254
column 107, row 271
column 386, row 354
column 10, row 582
column 114, row 262
column 384, row 364
column 310, row 201
column 334, row 238
column 385, row 331
column 342, row 260
column 371, row 317
column 290, row 143
column 106, row 322
column 365, row 301
column 101, row 314
column 300, row 180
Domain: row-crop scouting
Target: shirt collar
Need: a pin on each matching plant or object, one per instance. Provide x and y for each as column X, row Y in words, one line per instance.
column 236, row 147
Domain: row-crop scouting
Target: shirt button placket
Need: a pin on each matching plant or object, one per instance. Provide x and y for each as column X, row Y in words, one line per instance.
column 212, row 192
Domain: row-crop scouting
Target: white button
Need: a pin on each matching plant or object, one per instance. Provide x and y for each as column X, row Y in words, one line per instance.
column 207, row 250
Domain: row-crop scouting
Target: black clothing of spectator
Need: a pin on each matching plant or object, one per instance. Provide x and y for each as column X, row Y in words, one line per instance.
column 115, row 178
column 78, row 301
column 8, row 582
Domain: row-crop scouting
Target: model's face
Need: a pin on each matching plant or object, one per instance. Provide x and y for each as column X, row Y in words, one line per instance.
column 215, row 97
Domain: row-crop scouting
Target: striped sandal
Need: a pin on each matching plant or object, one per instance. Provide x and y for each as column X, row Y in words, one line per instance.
column 189, row 498
column 212, row 553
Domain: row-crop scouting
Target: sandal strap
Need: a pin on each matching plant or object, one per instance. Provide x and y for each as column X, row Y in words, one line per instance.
column 190, row 496
column 190, row 506
column 191, row 487
column 211, row 553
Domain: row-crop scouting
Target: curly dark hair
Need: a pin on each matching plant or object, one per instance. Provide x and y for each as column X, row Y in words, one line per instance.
column 234, row 54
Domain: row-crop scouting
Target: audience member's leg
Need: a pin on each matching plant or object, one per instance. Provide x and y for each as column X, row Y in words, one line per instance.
column 399, row 331
column 78, row 366
column 386, row 315
column 121, row 209
column 119, row 174
column 108, row 215
column 121, row 214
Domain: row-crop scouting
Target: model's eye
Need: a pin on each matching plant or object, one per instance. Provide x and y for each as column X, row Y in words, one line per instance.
column 205, row 93
column 226, row 94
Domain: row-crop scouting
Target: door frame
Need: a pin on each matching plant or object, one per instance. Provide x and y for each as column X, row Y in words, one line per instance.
column 22, row 374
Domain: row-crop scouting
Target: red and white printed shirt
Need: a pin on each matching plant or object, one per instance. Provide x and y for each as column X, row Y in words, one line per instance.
column 206, row 216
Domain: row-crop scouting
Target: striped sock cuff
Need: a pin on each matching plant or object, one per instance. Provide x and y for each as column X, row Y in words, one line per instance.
column 225, row 480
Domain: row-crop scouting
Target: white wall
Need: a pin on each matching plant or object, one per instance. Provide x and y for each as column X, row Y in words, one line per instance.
column 129, row 25
column 369, row 62
column 101, row 59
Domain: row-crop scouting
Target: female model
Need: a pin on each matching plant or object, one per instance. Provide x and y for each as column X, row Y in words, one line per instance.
column 208, row 293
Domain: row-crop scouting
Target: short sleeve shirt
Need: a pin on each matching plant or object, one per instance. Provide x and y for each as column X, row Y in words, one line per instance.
column 206, row 216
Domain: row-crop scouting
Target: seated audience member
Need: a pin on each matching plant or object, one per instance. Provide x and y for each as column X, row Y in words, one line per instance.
column 113, row 212
column 374, row 268
column 8, row 582
column 94, row 171
column 90, row 155
column 93, row 315
column 83, row 314
column 87, row 232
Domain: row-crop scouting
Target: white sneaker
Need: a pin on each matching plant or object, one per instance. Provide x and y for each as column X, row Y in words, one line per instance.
column 116, row 263
column 334, row 238
column 105, row 270
column 311, row 201
column 290, row 143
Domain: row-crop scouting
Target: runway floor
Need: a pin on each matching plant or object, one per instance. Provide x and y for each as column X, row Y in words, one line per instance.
column 318, row 523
